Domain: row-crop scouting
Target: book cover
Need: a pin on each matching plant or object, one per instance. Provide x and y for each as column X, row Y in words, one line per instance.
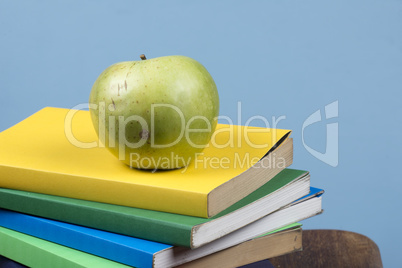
column 173, row 229
column 141, row 253
column 56, row 151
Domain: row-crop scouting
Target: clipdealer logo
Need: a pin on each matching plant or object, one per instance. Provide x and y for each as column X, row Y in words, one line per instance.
column 331, row 154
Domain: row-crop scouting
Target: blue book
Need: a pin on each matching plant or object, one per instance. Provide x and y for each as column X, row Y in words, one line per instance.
column 143, row 253
column 313, row 192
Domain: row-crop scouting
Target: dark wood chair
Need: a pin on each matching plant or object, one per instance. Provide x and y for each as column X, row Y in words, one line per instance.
column 332, row 248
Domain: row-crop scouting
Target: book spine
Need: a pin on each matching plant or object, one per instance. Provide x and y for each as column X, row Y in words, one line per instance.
column 96, row 215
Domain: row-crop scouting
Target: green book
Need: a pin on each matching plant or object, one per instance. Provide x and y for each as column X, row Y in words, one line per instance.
column 174, row 229
column 35, row 252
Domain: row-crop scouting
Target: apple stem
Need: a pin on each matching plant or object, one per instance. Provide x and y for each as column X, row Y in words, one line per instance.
column 142, row 56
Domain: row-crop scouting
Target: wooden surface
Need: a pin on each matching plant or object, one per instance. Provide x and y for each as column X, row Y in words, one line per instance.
column 332, row 248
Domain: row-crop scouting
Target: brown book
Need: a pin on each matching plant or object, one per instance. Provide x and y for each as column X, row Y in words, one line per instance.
column 257, row 249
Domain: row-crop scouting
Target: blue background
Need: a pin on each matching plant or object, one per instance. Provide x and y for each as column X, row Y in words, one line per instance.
column 278, row 58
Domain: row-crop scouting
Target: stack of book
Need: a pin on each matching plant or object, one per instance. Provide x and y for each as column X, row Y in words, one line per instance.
column 65, row 201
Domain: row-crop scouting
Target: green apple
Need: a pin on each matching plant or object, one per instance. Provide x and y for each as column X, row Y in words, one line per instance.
column 155, row 113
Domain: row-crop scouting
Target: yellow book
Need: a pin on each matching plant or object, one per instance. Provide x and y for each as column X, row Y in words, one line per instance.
column 56, row 151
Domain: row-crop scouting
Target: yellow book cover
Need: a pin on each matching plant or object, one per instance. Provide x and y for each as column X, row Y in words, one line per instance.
column 56, row 151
